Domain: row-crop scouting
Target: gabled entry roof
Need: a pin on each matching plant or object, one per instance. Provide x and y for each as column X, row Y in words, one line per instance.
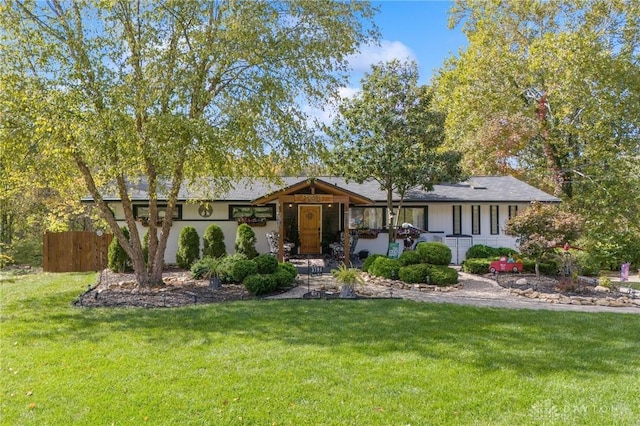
column 314, row 184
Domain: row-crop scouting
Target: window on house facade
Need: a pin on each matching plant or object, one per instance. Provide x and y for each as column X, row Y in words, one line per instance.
column 475, row 219
column 366, row 218
column 416, row 216
column 513, row 210
column 494, row 212
column 142, row 211
column 457, row 219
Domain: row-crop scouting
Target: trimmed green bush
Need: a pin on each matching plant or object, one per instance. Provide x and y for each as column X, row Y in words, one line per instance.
column 385, row 267
column 117, row 259
column 283, row 279
column 434, row 253
column 242, row 269
column 480, row 251
column 226, row 264
column 587, row 264
column 289, row 269
column 476, row 266
column 369, row 261
column 188, row 247
column 266, row 263
column 246, row 241
column 415, row 273
column 409, row 257
column 546, row 268
column 442, row 275
column 213, row 242
column 258, row 284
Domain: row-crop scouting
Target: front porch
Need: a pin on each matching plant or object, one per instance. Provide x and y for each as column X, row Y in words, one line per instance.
column 312, row 214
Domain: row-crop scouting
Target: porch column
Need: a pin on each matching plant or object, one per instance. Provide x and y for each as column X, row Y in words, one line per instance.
column 345, row 229
column 281, row 230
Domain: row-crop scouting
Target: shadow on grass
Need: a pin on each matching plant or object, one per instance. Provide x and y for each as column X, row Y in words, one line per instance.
column 527, row 342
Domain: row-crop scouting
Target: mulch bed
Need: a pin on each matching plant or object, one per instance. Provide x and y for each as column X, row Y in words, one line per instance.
column 120, row 290
column 548, row 284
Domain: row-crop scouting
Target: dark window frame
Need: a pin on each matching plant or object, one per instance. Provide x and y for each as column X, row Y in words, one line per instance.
column 457, row 219
column 494, row 214
column 476, row 218
column 425, row 214
column 140, row 212
column 268, row 212
column 513, row 210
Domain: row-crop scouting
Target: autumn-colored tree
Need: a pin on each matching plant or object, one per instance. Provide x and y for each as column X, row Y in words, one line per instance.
column 550, row 91
column 389, row 132
column 169, row 93
column 541, row 228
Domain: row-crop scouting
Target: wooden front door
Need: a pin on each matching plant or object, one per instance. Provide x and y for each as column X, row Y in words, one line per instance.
column 309, row 220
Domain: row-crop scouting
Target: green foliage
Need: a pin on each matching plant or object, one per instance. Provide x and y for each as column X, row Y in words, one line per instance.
column 226, row 264
column 480, row 251
column 246, row 241
column 442, row 275
column 289, row 269
column 266, row 263
column 204, row 268
column 213, row 242
column 415, row 273
column 259, row 284
column 366, row 265
column 385, row 267
column 188, row 247
column 476, row 266
column 145, row 247
column 409, row 257
column 27, row 252
column 390, row 119
column 347, row 276
column 118, row 259
column 545, row 268
column 587, row 264
column 242, row 269
column 222, row 95
column 605, row 281
column 434, row 253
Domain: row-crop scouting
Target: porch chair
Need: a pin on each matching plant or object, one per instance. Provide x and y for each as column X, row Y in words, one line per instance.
column 272, row 238
column 338, row 249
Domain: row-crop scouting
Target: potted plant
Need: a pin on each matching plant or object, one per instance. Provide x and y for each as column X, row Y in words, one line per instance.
column 348, row 278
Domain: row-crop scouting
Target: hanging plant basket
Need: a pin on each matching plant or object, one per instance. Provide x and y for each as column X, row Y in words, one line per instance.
column 253, row 221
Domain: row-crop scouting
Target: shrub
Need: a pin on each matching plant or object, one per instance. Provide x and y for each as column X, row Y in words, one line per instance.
column 369, row 261
column 213, row 242
column 117, row 259
column 416, row 273
column 434, row 253
column 188, row 247
column 442, row 275
column 226, row 264
column 283, row 278
column 385, row 267
column 205, row 267
column 246, row 241
column 289, row 269
column 145, row 247
column 480, row 251
column 409, row 258
column 587, row 264
column 26, row 252
column 266, row 264
column 242, row 269
column 476, row 266
column 546, row 268
column 258, row 284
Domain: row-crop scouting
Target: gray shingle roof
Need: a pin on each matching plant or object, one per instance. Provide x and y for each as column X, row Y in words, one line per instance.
column 476, row 189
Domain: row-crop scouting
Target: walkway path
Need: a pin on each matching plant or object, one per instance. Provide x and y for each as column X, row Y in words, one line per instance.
column 475, row 291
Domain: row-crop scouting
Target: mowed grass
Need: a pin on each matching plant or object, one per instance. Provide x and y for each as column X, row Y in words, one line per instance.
column 309, row 362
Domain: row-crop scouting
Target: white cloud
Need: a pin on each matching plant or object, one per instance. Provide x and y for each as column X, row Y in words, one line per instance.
column 373, row 54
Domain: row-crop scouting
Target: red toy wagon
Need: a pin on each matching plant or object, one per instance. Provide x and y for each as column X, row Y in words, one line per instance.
column 505, row 265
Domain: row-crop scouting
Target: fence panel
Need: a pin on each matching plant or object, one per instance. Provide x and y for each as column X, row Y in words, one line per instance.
column 75, row 251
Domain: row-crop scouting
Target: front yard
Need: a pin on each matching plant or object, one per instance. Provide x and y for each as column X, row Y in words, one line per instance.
column 308, row 362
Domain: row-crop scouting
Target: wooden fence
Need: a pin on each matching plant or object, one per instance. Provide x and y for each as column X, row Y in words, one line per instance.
column 75, row 251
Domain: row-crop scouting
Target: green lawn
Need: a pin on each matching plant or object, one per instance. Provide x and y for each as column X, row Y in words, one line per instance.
column 300, row 362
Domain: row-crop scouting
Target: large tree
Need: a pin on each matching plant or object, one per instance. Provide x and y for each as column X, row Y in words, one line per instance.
column 390, row 132
column 550, row 91
column 172, row 91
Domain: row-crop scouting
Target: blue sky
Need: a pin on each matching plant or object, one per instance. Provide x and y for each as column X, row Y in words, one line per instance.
column 417, row 29
column 409, row 29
